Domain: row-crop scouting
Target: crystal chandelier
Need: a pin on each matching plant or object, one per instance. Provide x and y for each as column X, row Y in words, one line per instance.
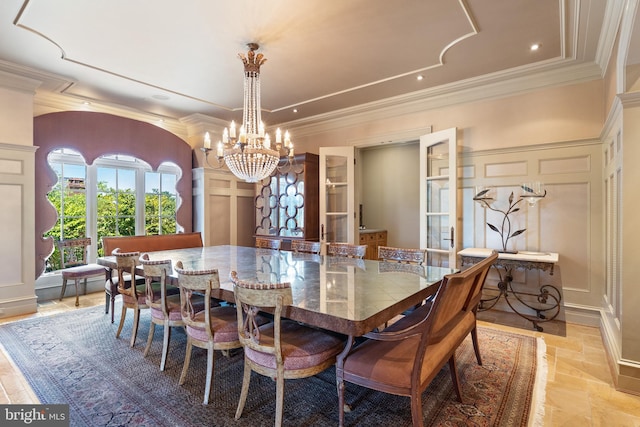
column 248, row 153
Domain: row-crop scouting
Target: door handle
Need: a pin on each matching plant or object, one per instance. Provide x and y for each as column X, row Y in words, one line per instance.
column 322, row 232
column 451, row 234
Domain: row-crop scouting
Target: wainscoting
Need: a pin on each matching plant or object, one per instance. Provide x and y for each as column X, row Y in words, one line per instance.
column 17, row 230
column 569, row 220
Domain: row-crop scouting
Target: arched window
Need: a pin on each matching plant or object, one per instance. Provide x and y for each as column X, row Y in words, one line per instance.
column 94, row 147
column 118, row 195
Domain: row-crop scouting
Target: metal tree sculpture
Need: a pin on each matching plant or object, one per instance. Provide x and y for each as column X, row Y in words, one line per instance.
column 505, row 230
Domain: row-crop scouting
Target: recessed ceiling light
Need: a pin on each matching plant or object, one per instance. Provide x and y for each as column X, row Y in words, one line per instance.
column 86, row 103
column 535, row 46
column 160, row 97
column 420, row 77
column 295, row 110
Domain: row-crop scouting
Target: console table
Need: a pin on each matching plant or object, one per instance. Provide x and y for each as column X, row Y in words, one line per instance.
column 545, row 304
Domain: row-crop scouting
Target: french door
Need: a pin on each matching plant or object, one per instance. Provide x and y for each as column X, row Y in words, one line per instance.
column 337, row 195
column 438, row 204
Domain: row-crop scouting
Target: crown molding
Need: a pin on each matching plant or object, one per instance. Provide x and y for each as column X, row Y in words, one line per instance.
column 397, row 137
column 610, row 25
column 50, row 96
column 39, row 79
column 497, row 85
column 47, row 102
column 630, row 99
column 19, row 83
column 198, row 124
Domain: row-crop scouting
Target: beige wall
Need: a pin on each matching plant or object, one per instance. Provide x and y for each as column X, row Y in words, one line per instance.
column 390, row 193
column 567, row 113
column 16, row 120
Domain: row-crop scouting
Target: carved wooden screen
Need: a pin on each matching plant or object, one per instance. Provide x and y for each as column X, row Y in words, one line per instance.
column 280, row 203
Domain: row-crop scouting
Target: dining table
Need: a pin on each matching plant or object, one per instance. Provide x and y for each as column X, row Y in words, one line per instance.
column 345, row 295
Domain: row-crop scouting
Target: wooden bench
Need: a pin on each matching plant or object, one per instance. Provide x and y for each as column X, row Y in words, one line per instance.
column 162, row 242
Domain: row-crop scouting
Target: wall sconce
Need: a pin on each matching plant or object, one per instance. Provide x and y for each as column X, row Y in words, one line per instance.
column 532, row 192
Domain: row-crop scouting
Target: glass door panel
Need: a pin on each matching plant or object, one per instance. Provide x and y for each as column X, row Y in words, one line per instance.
column 438, row 173
column 337, row 195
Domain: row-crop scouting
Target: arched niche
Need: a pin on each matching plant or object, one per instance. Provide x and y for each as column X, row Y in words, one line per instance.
column 94, row 135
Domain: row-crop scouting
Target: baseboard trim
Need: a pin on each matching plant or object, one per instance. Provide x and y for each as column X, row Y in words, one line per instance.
column 583, row 315
column 18, row 306
column 625, row 373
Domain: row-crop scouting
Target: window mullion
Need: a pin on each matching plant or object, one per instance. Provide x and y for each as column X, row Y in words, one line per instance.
column 91, row 192
column 140, row 201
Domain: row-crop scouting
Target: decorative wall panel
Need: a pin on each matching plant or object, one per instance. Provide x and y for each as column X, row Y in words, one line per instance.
column 568, row 165
column 11, row 227
column 9, row 166
column 505, row 169
column 567, row 221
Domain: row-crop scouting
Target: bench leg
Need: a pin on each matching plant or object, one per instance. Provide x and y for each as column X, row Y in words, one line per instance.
column 113, row 302
column 64, row 288
column 77, row 295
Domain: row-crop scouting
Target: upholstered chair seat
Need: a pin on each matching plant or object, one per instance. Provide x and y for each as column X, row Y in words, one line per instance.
column 302, row 347
column 223, row 325
column 173, row 306
column 391, row 362
column 140, row 295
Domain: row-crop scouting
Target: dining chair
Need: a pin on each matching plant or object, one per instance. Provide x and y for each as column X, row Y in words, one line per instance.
column 305, row 246
column 346, row 250
column 404, row 358
column 403, row 255
column 74, row 266
column 133, row 294
column 210, row 328
column 163, row 304
column 282, row 349
column 263, row 243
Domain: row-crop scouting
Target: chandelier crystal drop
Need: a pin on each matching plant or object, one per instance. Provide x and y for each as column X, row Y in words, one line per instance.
column 248, row 153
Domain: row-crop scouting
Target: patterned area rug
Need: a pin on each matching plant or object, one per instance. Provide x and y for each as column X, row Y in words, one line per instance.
column 75, row 358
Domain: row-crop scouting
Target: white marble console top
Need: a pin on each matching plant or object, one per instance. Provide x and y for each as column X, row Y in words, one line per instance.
column 549, row 257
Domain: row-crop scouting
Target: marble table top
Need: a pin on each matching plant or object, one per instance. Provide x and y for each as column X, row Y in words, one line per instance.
column 350, row 296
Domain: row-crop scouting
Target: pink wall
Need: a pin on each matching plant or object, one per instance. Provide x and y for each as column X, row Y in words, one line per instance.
column 94, row 135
